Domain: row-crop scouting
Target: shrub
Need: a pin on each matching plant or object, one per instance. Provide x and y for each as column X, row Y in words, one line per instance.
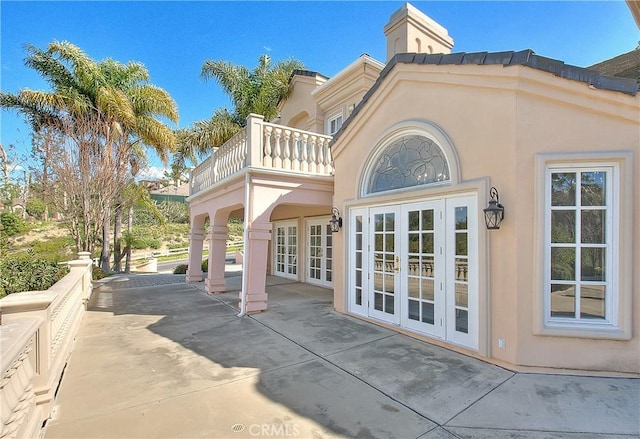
column 180, row 269
column 54, row 249
column 154, row 243
column 205, row 265
column 36, row 208
column 98, row 273
column 12, row 224
column 25, row 273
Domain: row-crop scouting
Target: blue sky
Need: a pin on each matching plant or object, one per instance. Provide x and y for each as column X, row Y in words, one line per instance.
column 173, row 39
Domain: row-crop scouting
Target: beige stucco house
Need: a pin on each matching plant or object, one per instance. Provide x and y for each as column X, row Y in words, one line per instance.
column 408, row 152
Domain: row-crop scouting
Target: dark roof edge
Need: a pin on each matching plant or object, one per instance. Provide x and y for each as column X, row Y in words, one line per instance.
column 310, row 73
column 526, row 58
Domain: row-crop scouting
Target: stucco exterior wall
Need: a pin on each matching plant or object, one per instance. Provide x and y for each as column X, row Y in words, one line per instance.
column 497, row 120
column 299, row 109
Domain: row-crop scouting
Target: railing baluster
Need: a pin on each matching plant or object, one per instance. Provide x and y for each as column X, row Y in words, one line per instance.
column 296, row 151
column 304, row 166
column 312, row 154
column 277, row 153
column 268, row 160
column 287, row 156
column 321, row 143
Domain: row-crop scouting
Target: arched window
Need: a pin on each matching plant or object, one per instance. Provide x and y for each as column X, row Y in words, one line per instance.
column 411, row 160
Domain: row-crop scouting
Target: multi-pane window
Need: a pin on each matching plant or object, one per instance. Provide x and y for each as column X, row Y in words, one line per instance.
column 334, row 124
column 580, row 283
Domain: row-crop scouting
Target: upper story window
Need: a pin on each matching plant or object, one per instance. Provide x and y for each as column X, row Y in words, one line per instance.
column 334, row 124
column 412, row 160
column 581, row 219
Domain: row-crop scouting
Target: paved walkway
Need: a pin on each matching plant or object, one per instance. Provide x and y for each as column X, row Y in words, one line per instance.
column 158, row 358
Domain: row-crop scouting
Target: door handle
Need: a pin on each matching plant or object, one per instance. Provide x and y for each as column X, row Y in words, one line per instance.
column 397, row 267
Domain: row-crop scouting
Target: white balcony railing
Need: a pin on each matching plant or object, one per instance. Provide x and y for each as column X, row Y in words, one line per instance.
column 37, row 330
column 268, row 146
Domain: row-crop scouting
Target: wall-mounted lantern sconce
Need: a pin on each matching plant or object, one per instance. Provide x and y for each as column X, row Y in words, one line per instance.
column 336, row 221
column 494, row 213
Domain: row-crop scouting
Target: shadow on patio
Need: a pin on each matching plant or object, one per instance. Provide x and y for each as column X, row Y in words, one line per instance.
column 158, row 358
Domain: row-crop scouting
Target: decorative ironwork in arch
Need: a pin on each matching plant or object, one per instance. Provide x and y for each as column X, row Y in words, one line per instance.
column 412, row 160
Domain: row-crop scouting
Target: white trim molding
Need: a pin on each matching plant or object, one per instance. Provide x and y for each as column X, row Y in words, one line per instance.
column 615, row 321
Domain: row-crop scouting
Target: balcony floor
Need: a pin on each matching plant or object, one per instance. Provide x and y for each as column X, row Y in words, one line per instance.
column 156, row 357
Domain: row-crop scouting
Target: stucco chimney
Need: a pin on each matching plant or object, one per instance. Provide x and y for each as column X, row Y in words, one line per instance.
column 410, row 30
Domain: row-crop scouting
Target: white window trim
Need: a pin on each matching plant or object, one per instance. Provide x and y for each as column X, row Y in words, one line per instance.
column 331, row 118
column 617, row 325
column 274, row 260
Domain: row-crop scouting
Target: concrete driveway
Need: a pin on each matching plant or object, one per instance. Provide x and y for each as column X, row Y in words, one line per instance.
column 158, row 358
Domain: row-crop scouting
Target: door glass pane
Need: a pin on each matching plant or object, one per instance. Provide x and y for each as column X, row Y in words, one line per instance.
column 563, row 226
column 462, row 295
column 427, row 243
column 427, row 289
column 462, row 321
column 358, row 278
column 462, row 268
column 377, row 301
column 388, row 304
column 593, row 227
column 414, row 243
column 428, row 313
column 389, row 242
column 389, row 286
column 593, row 264
column 359, row 260
column 414, row 287
column 378, row 262
column 414, row 310
column 358, row 296
column 428, row 268
column 427, row 219
column 593, row 189
column 390, row 222
column 358, row 224
column 378, row 220
column 461, row 218
column 563, row 300
column 563, row 189
column 563, row 263
column 461, row 243
column 358, row 242
column 592, row 301
column 377, row 281
column 379, row 243
column 414, row 220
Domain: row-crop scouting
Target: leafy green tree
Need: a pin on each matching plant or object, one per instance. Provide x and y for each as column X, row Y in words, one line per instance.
column 36, row 208
column 251, row 91
column 107, row 111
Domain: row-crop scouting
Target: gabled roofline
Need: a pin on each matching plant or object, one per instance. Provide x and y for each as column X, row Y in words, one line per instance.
column 525, row 58
column 362, row 59
column 310, row 73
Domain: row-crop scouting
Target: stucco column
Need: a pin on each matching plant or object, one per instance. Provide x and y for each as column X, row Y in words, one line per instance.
column 255, row 266
column 194, row 272
column 214, row 283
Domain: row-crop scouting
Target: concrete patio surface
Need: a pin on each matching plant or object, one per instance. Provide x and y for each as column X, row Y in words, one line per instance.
column 156, row 357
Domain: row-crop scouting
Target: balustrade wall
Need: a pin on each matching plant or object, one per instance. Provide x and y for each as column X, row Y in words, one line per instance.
column 268, row 146
column 37, row 330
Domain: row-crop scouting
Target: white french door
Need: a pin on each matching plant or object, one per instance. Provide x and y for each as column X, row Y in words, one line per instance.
column 384, row 264
column 319, row 252
column 285, row 257
column 415, row 265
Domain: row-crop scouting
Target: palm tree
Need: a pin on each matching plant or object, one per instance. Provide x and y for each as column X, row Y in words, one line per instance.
column 251, row 91
column 105, row 109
